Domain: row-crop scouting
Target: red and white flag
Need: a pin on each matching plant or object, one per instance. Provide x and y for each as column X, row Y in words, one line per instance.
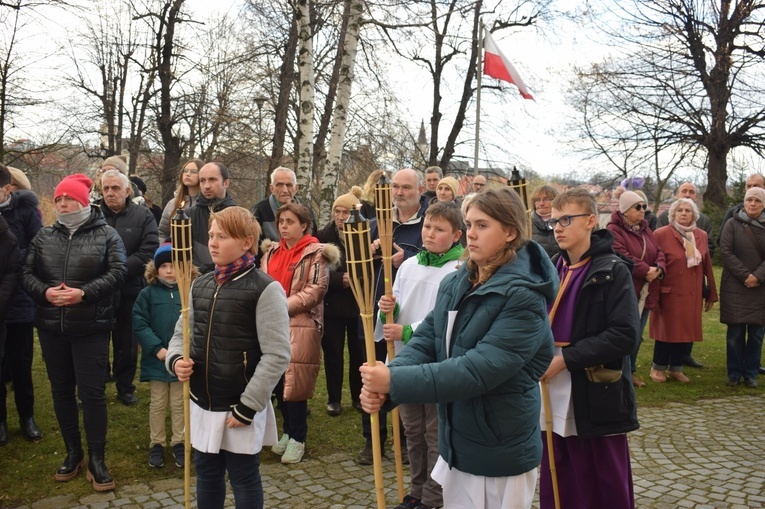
column 496, row 65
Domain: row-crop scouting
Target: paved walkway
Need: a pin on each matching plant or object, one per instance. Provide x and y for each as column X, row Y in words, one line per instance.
column 710, row 455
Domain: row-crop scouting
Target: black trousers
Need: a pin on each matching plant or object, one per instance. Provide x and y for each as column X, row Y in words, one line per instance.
column 125, row 347
column 17, row 368
column 336, row 329
column 78, row 363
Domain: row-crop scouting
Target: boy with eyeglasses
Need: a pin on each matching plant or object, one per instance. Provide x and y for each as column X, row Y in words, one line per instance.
column 595, row 324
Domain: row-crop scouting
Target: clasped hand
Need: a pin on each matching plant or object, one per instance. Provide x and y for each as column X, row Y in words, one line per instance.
column 376, row 386
column 63, row 295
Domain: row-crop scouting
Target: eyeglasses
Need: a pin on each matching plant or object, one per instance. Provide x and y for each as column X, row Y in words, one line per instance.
column 189, row 170
column 564, row 221
column 640, row 207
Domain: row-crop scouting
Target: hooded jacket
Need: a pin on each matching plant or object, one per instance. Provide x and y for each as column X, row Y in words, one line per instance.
column 23, row 217
column 305, row 299
column 155, row 314
column 485, row 376
column 92, row 259
column 604, row 331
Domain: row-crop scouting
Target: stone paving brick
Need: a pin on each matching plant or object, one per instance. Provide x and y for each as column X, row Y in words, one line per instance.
column 710, row 455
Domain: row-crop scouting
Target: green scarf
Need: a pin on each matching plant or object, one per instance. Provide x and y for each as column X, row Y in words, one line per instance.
column 429, row 259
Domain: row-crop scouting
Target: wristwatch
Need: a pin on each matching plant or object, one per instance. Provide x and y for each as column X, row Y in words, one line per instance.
column 82, row 297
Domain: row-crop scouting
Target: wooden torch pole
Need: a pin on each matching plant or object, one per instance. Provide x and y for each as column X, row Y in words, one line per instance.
column 384, row 206
column 180, row 232
column 358, row 255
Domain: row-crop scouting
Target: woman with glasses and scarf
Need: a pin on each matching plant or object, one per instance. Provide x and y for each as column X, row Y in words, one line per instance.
column 635, row 240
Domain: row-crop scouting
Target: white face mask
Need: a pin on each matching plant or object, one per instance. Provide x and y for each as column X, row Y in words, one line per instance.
column 73, row 220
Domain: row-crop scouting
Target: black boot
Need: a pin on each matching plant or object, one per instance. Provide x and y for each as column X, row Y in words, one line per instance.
column 74, row 461
column 31, row 430
column 97, row 472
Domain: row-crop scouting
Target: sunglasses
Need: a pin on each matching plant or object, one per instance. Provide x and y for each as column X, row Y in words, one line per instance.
column 640, row 207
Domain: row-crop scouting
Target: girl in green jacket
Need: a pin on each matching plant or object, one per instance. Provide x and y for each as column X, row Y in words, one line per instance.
column 479, row 355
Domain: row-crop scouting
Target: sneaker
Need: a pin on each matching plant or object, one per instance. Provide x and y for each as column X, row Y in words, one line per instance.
column 732, row 381
column 409, row 502
column 179, row 454
column 281, row 446
column 294, row 452
column 750, row 382
column 156, row 456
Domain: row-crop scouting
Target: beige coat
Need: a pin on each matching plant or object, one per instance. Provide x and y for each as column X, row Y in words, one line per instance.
column 306, row 309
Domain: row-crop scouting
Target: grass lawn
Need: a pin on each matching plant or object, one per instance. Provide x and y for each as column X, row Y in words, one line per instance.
column 26, row 469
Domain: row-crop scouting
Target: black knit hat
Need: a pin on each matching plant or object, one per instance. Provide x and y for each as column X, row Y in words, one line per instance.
column 164, row 254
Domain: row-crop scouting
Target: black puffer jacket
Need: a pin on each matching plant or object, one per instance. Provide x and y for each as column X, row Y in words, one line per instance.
column 24, row 219
column 10, row 260
column 92, row 259
column 137, row 228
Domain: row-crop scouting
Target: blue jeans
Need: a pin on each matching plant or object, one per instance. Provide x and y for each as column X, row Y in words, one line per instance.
column 243, row 473
column 744, row 355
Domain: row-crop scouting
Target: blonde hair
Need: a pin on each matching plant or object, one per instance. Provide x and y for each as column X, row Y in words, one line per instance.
column 369, row 186
column 239, row 223
column 505, row 206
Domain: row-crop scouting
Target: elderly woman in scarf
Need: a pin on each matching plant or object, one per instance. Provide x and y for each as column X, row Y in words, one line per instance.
column 676, row 322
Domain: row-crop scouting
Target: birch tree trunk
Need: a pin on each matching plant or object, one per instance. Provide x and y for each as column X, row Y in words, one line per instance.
column 306, row 112
column 331, row 175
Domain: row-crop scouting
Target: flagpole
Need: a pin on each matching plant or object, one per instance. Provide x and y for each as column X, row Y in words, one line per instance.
column 479, row 71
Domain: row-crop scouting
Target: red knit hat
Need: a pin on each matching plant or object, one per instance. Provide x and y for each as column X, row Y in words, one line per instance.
column 76, row 186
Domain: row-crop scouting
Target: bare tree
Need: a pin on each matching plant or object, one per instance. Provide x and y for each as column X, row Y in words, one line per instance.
column 447, row 49
column 706, row 55
column 611, row 127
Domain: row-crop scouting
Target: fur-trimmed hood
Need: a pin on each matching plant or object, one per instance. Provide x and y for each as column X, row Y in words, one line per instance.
column 152, row 277
column 329, row 251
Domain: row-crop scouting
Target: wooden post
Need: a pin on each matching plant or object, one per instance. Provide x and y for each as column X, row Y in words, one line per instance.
column 180, row 232
column 384, row 207
column 358, row 255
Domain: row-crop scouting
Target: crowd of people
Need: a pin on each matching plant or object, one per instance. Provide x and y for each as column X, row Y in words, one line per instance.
column 516, row 331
